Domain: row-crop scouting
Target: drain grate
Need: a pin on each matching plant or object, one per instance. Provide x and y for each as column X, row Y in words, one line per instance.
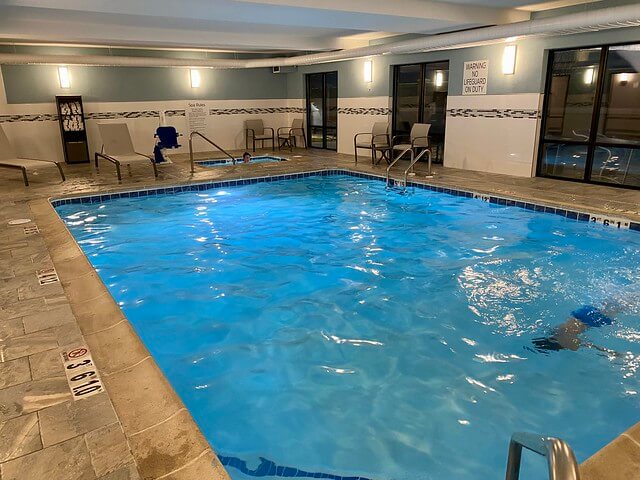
column 31, row 230
column 47, row 276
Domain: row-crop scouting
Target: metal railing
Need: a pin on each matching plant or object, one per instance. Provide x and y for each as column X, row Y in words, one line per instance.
column 193, row 165
column 560, row 458
column 393, row 162
column 413, row 162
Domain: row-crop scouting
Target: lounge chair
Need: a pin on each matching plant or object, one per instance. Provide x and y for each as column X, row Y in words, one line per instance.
column 117, row 148
column 288, row 135
column 9, row 159
column 256, row 130
column 379, row 141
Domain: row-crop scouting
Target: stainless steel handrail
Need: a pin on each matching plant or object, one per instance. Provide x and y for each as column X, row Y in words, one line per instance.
column 560, row 458
column 393, row 162
column 415, row 160
column 193, row 165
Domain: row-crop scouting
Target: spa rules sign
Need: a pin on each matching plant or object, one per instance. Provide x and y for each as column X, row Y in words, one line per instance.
column 474, row 77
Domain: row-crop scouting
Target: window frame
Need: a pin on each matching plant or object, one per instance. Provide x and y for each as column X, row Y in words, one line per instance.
column 592, row 143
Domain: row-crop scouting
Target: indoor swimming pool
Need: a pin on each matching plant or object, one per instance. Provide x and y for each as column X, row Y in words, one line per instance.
column 328, row 327
column 220, row 162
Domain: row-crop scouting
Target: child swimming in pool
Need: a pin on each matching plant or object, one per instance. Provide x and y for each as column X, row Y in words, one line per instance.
column 246, row 157
column 566, row 335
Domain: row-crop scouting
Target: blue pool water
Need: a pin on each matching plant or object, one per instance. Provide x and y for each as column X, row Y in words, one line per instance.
column 330, row 326
column 220, row 162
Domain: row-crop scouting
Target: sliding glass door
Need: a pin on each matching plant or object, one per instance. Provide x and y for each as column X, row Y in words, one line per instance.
column 591, row 121
column 420, row 96
column 322, row 110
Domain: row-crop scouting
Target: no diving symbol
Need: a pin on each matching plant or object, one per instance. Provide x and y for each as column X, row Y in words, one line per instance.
column 78, row 352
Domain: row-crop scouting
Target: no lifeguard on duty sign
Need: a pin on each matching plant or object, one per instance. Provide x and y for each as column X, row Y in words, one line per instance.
column 474, row 77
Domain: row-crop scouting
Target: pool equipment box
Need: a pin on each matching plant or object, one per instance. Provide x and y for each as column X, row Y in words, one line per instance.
column 72, row 128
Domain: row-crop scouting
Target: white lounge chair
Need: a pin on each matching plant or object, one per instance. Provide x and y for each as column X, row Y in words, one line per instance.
column 9, row 159
column 117, row 148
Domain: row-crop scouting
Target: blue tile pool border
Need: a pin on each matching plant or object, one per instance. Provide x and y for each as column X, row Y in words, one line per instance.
column 209, row 185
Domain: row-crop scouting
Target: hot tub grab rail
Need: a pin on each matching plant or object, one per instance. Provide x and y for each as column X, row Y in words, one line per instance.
column 191, row 135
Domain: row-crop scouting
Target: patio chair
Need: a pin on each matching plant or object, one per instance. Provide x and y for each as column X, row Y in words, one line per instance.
column 256, row 130
column 9, row 159
column 378, row 141
column 117, row 148
column 288, row 135
column 418, row 140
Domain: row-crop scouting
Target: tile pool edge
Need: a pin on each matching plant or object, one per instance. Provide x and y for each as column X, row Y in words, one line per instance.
column 164, row 439
column 609, row 451
column 539, row 207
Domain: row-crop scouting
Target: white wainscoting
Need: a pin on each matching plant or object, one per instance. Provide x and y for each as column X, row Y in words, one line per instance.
column 493, row 133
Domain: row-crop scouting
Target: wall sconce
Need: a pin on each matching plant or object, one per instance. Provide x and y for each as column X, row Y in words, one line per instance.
column 368, row 71
column 64, row 78
column 588, row 75
column 194, row 75
column 439, row 78
column 624, row 78
column 509, row 60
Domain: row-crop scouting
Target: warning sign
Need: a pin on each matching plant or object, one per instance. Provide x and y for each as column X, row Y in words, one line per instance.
column 474, row 77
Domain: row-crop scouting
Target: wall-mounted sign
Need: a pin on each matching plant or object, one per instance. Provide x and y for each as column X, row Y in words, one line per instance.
column 474, row 77
column 197, row 114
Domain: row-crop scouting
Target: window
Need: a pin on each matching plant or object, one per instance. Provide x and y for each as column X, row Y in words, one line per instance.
column 420, row 96
column 591, row 121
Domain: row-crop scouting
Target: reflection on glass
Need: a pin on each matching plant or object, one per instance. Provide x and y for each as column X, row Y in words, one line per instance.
column 620, row 111
column 322, row 109
column 572, row 93
column 331, row 80
column 407, row 101
column 562, row 160
column 436, row 86
column 616, row 165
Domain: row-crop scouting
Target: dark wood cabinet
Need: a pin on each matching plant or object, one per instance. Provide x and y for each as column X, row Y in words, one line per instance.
column 72, row 128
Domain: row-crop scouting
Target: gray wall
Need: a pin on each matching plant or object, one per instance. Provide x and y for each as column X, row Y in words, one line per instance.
column 528, row 78
column 39, row 84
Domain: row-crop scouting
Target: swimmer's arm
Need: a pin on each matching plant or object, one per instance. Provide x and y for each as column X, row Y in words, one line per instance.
column 608, row 351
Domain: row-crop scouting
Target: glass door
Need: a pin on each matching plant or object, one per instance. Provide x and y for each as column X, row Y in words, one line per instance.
column 322, row 110
column 420, row 96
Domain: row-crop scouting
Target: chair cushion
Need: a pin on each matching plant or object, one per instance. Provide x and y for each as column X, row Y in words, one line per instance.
column 131, row 159
column 262, row 137
column 402, row 146
column 27, row 162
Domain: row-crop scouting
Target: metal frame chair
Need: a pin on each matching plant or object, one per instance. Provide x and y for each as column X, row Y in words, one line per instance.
column 380, row 130
column 117, row 148
column 9, row 159
column 255, row 126
column 295, row 130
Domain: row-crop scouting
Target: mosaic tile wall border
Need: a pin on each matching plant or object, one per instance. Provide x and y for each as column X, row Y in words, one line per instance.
column 531, row 114
column 53, row 117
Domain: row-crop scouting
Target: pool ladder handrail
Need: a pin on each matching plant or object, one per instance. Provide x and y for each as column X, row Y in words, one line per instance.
column 415, row 160
column 411, row 148
column 560, row 457
column 193, row 165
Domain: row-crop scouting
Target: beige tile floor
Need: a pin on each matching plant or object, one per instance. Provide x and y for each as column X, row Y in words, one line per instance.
column 139, row 428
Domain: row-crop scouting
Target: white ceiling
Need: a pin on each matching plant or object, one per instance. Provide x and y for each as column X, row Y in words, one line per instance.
column 256, row 25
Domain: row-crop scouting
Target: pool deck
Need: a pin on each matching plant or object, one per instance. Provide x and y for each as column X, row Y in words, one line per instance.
column 139, row 428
